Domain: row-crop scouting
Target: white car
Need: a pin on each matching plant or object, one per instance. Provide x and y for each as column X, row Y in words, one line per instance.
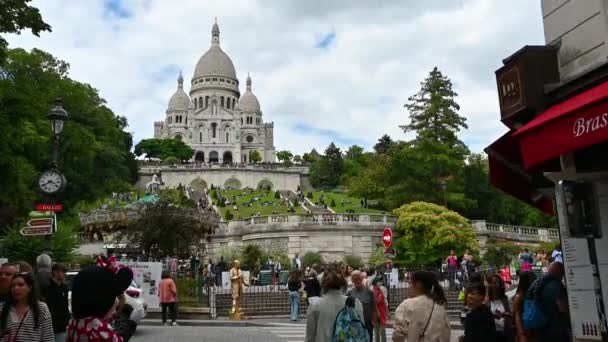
column 133, row 294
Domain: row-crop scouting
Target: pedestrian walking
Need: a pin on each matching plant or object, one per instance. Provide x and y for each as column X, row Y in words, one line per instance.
column 525, row 280
column 95, row 292
column 322, row 315
column 167, row 294
column 479, row 323
column 367, row 299
column 423, row 316
column 452, row 263
column 57, row 301
column 23, row 317
column 43, row 273
column 498, row 303
column 294, row 285
column 7, row 271
column 312, row 288
column 381, row 310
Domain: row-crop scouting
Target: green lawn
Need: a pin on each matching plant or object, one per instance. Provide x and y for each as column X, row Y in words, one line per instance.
column 275, row 206
column 350, row 203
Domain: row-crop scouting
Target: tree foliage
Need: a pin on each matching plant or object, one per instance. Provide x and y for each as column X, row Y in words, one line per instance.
column 254, row 156
column 284, row 156
column 384, row 144
column 253, row 257
column 16, row 16
column 64, row 243
column 353, row 261
column 428, row 232
column 94, row 152
column 164, row 149
column 498, row 254
column 167, row 229
column 312, row 258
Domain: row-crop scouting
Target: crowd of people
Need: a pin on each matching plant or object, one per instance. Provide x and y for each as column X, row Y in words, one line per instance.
column 34, row 303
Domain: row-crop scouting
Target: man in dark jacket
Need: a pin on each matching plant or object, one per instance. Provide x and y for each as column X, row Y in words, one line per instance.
column 56, row 296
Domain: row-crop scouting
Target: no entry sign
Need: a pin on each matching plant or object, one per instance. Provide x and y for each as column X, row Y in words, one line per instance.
column 387, row 237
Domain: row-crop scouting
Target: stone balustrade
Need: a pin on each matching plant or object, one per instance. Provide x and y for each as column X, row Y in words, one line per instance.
column 516, row 233
column 325, row 219
column 153, row 168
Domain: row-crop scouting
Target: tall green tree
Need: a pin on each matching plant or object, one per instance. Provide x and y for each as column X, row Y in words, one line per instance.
column 435, row 120
column 331, row 166
column 384, row 144
column 163, row 149
column 94, row 151
column 16, row 16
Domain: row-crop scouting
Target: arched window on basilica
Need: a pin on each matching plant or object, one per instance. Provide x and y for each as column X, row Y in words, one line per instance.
column 206, row 101
column 227, row 137
column 233, row 102
column 200, row 136
column 222, row 101
column 228, row 103
column 213, row 129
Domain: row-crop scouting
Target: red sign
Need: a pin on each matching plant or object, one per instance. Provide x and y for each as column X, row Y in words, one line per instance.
column 574, row 124
column 387, row 237
column 49, row 207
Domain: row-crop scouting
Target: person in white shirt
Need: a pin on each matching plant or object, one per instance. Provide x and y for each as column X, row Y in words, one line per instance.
column 557, row 254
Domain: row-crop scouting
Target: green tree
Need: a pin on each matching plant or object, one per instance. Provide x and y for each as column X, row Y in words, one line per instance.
column 170, row 161
column 253, row 257
column 311, row 157
column 229, row 254
column 312, row 258
column 284, row 156
column 164, row 149
column 277, row 194
column 330, row 167
column 94, row 153
column 353, row 261
column 378, row 258
column 27, row 248
column 254, row 156
column 166, row 229
column 384, row 144
column 228, row 216
column 16, row 16
column 297, row 159
column 498, row 254
column 428, row 232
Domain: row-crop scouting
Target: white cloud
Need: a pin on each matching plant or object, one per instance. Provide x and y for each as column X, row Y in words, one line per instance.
column 352, row 92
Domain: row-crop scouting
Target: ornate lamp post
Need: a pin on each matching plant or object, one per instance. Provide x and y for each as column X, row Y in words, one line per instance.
column 52, row 181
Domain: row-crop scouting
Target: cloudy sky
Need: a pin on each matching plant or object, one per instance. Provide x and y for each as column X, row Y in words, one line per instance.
column 323, row 71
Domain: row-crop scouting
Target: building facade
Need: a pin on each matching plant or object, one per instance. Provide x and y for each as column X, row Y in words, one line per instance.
column 220, row 124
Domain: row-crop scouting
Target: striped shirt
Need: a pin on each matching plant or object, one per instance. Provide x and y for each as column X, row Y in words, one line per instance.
column 28, row 332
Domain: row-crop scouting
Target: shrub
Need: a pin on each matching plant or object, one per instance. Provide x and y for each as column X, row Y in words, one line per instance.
column 309, row 195
column 253, row 256
column 277, row 194
column 296, row 203
column 170, row 161
column 353, row 261
column 298, row 188
column 312, row 258
column 228, row 216
column 333, row 203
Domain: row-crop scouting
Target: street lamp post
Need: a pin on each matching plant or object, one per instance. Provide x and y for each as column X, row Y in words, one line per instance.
column 52, row 181
column 444, row 185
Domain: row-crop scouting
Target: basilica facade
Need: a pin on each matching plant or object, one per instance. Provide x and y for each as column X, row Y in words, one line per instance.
column 220, row 124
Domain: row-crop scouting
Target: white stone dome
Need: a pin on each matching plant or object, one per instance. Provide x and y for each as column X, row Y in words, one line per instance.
column 215, row 62
column 179, row 100
column 249, row 102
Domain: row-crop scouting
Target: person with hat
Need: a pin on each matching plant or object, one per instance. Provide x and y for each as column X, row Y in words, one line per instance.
column 56, row 296
column 95, row 292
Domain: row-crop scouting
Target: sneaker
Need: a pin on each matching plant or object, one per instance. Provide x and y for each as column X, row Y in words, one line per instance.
column 174, row 324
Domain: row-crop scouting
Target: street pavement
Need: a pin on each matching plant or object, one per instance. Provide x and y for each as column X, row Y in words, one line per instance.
column 273, row 332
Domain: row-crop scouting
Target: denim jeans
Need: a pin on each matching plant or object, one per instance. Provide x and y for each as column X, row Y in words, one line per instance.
column 294, row 300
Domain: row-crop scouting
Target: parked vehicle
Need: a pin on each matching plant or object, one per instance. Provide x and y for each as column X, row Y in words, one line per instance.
column 133, row 294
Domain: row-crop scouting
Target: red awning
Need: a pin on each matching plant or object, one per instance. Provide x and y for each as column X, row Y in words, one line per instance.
column 508, row 175
column 577, row 123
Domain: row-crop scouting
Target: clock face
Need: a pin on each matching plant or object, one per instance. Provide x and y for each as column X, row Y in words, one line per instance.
column 50, row 181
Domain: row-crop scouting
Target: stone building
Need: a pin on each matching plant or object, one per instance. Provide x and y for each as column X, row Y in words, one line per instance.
column 220, row 124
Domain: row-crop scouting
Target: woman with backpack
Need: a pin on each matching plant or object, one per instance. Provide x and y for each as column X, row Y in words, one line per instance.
column 423, row 316
column 498, row 303
column 323, row 314
column 525, row 280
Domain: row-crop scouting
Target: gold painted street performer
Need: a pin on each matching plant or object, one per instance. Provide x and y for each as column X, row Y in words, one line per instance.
column 236, row 286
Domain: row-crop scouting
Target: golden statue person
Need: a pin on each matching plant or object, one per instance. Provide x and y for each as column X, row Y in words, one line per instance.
column 236, row 287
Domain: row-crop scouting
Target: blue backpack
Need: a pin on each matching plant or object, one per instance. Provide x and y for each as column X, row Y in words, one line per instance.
column 533, row 315
column 349, row 327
